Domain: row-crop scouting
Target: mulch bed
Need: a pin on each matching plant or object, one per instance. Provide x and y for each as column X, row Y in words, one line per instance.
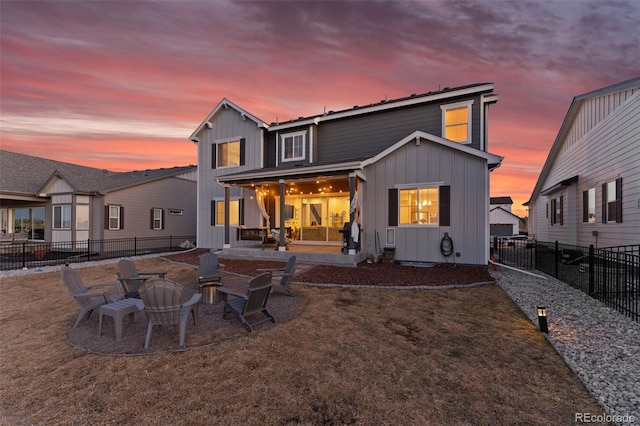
column 212, row 328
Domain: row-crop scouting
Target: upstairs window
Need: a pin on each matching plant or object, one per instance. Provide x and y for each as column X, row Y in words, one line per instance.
column 456, row 122
column 227, row 153
column 293, row 146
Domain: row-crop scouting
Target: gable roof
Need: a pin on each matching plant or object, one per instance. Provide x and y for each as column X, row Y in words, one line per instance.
column 389, row 104
column 28, row 175
column 505, row 211
column 567, row 123
column 225, row 104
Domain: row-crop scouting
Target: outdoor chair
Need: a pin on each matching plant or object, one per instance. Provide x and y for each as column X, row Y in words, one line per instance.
column 276, row 236
column 209, row 269
column 163, row 305
column 285, row 274
column 131, row 279
column 255, row 301
column 88, row 299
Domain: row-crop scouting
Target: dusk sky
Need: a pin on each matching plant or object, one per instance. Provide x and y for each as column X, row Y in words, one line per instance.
column 121, row 85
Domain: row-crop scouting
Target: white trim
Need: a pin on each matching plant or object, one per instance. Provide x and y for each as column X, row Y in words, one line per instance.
column 224, row 104
column 294, row 171
column 311, row 144
column 465, row 104
column 418, row 185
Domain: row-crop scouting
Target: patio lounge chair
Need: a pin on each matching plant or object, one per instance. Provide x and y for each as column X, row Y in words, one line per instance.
column 275, row 233
column 163, row 305
column 209, row 269
column 131, row 279
column 285, row 274
column 255, row 301
column 87, row 299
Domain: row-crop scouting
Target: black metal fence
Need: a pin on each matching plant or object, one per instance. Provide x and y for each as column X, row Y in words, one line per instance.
column 610, row 274
column 37, row 254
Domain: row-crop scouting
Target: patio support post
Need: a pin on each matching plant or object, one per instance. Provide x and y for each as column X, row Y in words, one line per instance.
column 227, row 197
column 351, row 247
column 281, row 245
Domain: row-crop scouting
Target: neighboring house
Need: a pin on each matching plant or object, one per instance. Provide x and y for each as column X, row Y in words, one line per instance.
column 503, row 222
column 53, row 201
column 588, row 191
column 403, row 173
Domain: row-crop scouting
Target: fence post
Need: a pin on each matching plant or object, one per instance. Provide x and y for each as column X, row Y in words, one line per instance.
column 135, row 246
column 556, row 260
column 591, row 271
column 24, row 255
column 88, row 249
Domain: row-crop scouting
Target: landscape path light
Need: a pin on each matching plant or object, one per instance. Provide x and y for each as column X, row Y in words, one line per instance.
column 542, row 319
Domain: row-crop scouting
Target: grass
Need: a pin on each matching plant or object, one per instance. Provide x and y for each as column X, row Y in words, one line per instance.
column 366, row 356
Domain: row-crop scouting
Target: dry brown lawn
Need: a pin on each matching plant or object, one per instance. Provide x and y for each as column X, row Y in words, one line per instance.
column 367, row 356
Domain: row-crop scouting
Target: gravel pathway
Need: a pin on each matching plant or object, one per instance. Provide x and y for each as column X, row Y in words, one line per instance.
column 598, row 343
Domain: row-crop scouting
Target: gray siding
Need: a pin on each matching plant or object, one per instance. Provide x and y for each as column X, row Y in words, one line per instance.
column 431, row 162
column 599, row 148
column 365, row 136
column 228, row 123
column 170, row 193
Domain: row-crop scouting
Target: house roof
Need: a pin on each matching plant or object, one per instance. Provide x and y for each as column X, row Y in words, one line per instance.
column 567, row 124
column 501, row 200
column 505, row 211
column 27, row 175
column 384, row 104
column 355, row 164
column 225, row 104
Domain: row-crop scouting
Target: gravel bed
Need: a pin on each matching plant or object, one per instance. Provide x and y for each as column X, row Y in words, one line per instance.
column 599, row 344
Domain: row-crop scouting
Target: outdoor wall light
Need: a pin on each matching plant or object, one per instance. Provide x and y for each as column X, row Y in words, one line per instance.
column 542, row 319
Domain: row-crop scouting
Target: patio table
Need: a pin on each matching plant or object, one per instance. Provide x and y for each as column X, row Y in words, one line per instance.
column 118, row 310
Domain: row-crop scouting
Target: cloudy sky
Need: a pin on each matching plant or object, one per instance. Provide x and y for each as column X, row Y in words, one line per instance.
column 122, row 84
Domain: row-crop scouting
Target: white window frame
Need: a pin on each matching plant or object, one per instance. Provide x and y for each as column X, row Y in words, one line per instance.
column 457, row 105
column 82, row 217
column 293, row 135
column 234, row 219
column 418, row 188
column 65, row 216
column 114, row 217
column 591, row 205
column 157, row 219
column 226, row 142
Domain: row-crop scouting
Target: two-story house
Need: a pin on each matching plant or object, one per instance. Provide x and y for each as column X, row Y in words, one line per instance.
column 588, row 191
column 406, row 174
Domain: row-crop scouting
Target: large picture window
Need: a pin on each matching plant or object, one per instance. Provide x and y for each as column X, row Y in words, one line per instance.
column 456, row 122
column 418, row 206
column 293, row 146
column 62, row 217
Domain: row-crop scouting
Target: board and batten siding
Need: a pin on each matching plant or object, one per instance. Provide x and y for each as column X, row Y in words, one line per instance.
column 227, row 123
column 429, row 162
column 608, row 148
column 169, row 193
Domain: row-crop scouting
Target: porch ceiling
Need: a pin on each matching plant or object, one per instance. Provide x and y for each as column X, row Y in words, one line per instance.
column 316, row 185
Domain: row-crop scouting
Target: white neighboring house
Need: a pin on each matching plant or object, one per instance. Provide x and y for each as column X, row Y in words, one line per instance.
column 503, row 223
column 588, row 191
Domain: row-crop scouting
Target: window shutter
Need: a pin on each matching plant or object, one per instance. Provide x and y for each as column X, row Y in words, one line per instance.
column 585, row 206
column 121, row 217
column 162, row 217
column 393, row 207
column 151, row 219
column 214, row 149
column 552, row 217
column 547, row 209
column 213, row 212
column 561, row 210
column 106, row 217
column 619, row 200
column 241, row 211
column 604, row 203
column 445, row 205
column 242, row 152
